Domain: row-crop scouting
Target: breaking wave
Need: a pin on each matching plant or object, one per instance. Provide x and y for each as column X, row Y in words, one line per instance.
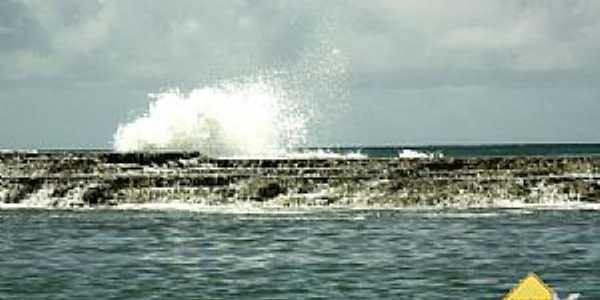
column 224, row 120
column 412, row 154
column 266, row 114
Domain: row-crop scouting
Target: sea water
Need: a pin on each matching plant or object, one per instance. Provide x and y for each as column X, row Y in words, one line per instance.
column 468, row 150
column 319, row 254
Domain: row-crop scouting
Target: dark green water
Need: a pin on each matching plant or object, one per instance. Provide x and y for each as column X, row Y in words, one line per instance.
column 479, row 254
column 462, row 151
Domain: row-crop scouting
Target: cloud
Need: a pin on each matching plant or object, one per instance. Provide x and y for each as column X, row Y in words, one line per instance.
column 137, row 40
column 141, row 40
column 5, row 31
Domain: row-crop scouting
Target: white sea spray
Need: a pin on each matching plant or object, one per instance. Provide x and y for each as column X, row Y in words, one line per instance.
column 227, row 119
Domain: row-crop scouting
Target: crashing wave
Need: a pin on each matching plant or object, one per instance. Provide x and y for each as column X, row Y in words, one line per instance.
column 265, row 114
column 291, row 154
column 226, row 120
column 409, row 153
column 326, row 154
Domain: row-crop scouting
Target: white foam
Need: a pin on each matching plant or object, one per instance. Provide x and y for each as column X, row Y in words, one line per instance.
column 255, row 208
column 13, row 151
column 326, row 154
column 305, row 154
column 410, row 153
column 264, row 114
column 230, row 209
column 225, row 120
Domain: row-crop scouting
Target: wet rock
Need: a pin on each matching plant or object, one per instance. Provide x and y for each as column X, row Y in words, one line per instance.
column 60, row 190
column 96, row 195
column 323, row 201
column 19, row 192
column 105, row 178
column 269, row 191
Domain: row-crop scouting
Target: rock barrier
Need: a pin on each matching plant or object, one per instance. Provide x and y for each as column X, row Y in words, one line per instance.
column 92, row 179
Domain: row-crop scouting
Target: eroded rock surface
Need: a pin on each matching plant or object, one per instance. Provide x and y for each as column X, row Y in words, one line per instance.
column 74, row 179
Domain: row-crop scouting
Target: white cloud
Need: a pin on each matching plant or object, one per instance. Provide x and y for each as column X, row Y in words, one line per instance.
column 137, row 40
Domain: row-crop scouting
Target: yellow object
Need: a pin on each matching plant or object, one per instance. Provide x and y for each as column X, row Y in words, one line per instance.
column 531, row 287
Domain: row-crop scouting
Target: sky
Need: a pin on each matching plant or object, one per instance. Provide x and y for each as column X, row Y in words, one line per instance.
column 414, row 71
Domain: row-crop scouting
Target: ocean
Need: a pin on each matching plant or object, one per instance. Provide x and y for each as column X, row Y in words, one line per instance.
column 335, row 254
column 466, row 151
column 304, row 252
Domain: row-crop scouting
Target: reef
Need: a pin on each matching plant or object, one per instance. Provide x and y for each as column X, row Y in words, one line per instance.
column 68, row 179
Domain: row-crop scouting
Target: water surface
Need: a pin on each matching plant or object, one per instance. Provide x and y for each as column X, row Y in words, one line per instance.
column 474, row 254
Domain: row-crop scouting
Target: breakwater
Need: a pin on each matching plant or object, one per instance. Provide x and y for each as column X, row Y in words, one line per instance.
column 91, row 179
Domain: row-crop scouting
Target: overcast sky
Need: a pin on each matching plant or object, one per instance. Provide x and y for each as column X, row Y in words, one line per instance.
column 416, row 72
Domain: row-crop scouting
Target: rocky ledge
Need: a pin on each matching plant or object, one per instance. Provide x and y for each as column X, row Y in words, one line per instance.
column 91, row 179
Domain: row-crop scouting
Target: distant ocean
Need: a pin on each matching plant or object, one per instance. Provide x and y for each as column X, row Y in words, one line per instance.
column 462, row 151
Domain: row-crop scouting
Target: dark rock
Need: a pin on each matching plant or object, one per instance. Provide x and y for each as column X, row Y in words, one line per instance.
column 96, row 195
column 269, row 191
column 22, row 191
column 114, row 178
column 60, row 190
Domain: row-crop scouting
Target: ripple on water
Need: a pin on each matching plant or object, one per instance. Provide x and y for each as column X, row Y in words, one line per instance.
column 335, row 254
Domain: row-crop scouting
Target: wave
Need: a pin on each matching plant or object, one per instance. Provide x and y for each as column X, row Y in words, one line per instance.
column 226, row 120
column 303, row 154
column 326, row 154
column 266, row 114
column 410, row 153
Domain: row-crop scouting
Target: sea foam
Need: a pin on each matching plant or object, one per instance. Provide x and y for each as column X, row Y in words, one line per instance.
column 228, row 119
column 266, row 114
